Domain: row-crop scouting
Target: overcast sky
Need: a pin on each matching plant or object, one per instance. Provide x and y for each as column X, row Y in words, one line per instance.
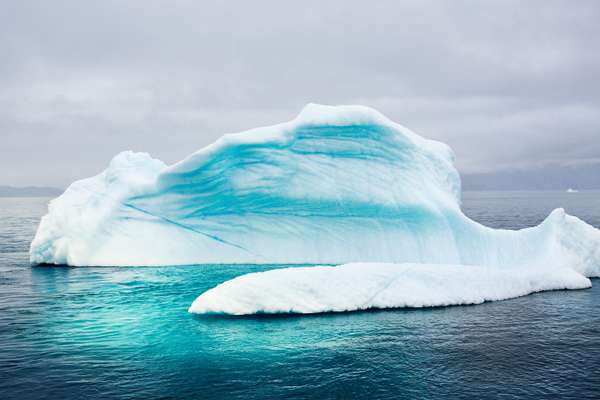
column 508, row 85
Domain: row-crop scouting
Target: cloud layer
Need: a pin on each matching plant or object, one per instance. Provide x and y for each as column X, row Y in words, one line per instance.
column 509, row 85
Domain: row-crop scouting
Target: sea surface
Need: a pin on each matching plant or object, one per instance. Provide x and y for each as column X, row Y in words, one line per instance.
column 124, row 333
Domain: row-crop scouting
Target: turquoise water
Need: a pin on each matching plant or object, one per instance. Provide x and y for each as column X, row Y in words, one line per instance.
column 77, row 333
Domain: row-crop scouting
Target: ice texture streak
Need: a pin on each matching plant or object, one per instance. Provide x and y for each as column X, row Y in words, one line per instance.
column 335, row 185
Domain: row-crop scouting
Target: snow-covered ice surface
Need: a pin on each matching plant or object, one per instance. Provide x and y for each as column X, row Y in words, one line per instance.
column 361, row 286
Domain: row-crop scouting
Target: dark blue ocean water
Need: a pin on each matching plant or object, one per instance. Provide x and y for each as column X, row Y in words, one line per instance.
column 74, row 333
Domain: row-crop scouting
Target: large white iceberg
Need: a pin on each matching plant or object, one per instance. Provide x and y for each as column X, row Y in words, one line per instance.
column 335, row 185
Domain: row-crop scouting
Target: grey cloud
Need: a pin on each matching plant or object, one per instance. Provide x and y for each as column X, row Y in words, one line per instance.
column 509, row 85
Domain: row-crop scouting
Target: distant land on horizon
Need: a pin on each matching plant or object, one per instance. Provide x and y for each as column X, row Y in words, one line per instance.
column 30, row 191
column 551, row 177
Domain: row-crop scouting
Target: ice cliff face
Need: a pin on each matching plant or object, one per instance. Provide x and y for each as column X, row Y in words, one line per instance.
column 335, row 185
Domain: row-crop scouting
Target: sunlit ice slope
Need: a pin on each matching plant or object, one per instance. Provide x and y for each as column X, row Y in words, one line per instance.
column 335, row 185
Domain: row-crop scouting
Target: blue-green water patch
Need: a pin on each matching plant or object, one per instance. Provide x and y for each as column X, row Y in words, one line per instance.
column 120, row 333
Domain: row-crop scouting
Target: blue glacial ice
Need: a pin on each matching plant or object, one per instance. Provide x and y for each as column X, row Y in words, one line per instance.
column 335, row 185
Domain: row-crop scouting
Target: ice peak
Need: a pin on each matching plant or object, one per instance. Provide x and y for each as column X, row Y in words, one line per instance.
column 342, row 115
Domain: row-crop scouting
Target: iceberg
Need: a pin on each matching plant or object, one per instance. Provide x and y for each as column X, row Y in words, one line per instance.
column 360, row 286
column 335, row 185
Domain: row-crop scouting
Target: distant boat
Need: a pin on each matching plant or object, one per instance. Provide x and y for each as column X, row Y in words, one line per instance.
column 569, row 190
